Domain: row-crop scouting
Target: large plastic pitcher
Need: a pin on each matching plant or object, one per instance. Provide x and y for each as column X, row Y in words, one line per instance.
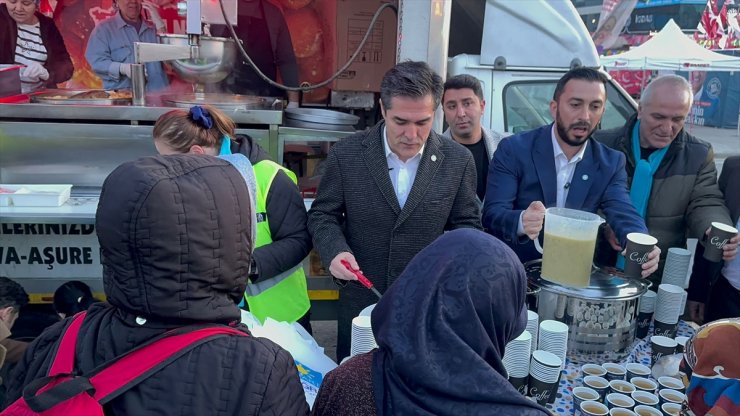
column 570, row 241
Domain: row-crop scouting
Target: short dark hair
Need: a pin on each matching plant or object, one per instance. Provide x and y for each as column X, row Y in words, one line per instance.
column 72, row 297
column 582, row 73
column 12, row 294
column 459, row 82
column 410, row 79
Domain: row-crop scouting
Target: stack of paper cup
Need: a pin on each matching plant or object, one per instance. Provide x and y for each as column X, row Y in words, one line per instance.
column 362, row 336
column 553, row 338
column 516, row 360
column 544, row 373
column 668, row 309
column 647, row 302
column 676, row 269
column 533, row 326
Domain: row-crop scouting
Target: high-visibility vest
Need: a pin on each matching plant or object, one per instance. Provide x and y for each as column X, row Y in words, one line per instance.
column 283, row 297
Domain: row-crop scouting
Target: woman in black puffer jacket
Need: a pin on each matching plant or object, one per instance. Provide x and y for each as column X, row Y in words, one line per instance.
column 175, row 238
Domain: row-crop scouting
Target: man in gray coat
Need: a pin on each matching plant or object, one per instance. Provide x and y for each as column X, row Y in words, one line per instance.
column 390, row 191
column 463, row 106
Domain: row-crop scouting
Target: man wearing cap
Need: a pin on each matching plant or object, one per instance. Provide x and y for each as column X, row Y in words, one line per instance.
column 390, row 191
column 671, row 174
column 110, row 49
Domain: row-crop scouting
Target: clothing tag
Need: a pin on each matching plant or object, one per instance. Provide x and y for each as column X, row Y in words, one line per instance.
column 225, row 146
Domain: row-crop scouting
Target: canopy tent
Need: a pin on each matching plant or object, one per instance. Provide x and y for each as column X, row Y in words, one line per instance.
column 671, row 49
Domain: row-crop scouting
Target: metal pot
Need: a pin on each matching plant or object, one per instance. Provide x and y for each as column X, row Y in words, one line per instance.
column 601, row 317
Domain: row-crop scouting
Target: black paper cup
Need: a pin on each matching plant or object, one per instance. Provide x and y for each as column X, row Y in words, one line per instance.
column 671, row 396
column 638, row 247
column 660, row 346
column 643, row 324
column 592, row 408
column 600, row 384
column 583, row 394
column 664, row 329
column 543, row 392
column 636, row 370
column 719, row 235
column 520, row 384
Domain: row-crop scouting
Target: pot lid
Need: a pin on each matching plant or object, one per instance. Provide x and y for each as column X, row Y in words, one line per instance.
column 605, row 284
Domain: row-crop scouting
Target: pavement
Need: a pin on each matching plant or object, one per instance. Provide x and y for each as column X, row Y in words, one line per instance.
column 725, row 142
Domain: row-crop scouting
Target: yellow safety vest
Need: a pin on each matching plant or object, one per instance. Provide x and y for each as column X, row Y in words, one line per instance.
column 283, row 297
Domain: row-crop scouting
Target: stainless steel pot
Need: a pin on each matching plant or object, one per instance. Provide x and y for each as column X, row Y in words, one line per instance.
column 601, row 317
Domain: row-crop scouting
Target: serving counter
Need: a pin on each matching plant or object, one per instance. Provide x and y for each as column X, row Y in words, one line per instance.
column 81, row 145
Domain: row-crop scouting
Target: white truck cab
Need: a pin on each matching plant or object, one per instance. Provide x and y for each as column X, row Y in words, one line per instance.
column 526, row 47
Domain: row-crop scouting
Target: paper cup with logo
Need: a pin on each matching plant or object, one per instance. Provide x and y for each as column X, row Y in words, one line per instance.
column 681, row 341
column 593, row 408
column 636, row 370
column 614, row 371
column 645, row 398
column 671, row 396
column 719, row 235
column 543, row 392
column 644, row 384
column 592, row 370
column 665, row 329
column 521, row 384
column 671, row 409
column 600, row 384
column 638, row 247
column 642, row 410
column 621, row 386
column 660, row 346
column 619, row 400
column 643, row 324
column 672, row 383
column 583, row 394
column 620, row 411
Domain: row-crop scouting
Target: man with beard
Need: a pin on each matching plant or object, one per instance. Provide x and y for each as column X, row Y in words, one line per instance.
column 560, row 165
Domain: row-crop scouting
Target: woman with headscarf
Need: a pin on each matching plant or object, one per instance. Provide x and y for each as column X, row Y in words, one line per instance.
column 31, row 39
column 711, row 354
column 441, row 330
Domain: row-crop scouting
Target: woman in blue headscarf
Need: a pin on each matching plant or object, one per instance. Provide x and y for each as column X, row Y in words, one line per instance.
column 441, row 330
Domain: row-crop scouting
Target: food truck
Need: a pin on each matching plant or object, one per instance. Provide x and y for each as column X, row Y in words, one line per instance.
column 73, row 140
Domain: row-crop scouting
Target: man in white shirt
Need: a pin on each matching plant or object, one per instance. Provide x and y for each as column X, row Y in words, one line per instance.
column 560, row 165
column 390, row 191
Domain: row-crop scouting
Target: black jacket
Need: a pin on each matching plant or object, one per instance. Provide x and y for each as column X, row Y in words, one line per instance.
column 286, row 215
column 58, row 62
column 174, row 237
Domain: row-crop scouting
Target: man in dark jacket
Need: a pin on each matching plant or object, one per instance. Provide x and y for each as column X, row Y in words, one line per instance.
column 390, row 191
column 287, row 221
column 718, row 285
column 175, row 235
column 672, row 176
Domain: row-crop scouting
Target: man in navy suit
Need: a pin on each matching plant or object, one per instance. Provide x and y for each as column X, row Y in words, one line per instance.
column 560, row 165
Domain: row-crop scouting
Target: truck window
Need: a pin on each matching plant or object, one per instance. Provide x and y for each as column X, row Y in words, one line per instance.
column 527, row 105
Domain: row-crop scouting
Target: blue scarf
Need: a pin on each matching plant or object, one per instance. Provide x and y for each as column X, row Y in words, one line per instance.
column 225, row 146
column 642, row 181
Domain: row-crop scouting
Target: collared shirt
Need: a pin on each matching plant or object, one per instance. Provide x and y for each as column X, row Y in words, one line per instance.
column 402, row 173
column 731, row 270
column 564, row 170
column 111, row 43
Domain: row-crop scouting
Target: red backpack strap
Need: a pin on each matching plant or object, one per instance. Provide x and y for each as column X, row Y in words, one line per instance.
column 64, row 359
column 138, row 365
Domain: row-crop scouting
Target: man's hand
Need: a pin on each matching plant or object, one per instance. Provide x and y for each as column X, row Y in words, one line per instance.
column 125, row 70
column 337, row 269
column 611, row 237
column 154, row 16
column 650, row 266
column 730, row 249
column 532, row 219
column 696, row 311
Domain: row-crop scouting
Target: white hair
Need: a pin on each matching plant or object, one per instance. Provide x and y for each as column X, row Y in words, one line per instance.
column 674, row 81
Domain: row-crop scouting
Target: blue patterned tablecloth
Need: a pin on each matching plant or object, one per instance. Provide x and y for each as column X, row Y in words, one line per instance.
column 572, row 377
